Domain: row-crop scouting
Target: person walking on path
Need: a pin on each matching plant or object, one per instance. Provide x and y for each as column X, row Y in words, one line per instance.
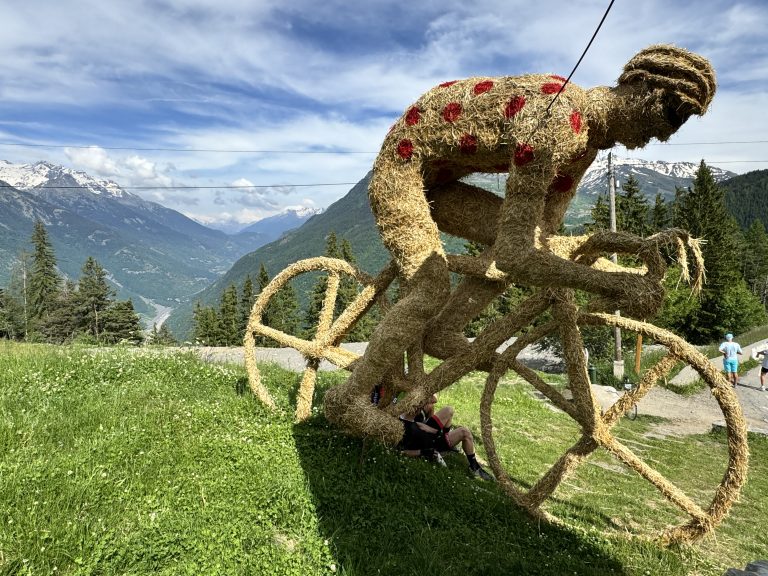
column 764, row 365
column 730, row 351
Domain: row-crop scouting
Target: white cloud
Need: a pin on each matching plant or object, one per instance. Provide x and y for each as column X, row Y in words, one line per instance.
column 269, row 75
column 94, row 160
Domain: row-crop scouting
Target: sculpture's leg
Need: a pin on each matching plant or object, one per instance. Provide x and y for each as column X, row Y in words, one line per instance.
column 408, row 231
column 471, row 213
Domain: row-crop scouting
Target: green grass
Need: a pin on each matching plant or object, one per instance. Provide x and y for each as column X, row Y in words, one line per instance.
column 123, row 462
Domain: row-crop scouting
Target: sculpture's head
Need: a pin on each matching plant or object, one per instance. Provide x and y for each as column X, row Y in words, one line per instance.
column 668, row 85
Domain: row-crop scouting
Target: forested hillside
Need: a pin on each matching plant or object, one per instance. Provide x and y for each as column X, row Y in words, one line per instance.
column 746, row 197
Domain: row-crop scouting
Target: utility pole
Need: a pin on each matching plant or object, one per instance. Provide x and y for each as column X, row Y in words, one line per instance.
column 618, row 363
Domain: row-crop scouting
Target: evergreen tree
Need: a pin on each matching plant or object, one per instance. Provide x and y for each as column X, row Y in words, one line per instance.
column 659, row 214
column 755, row 256
column 17, row 296
column 63, row 322
column 43, row 278
column 121, row 323
column 229, row 320
column 11, row 316
column 283, row 312
column 262, row 281
column 601, row 215
column 94, row 296
column 164, row 336
column 206, row 326
column 632, row 209
column 317, row 296
column 247, row 300
column 348, row 292
column 726, row 303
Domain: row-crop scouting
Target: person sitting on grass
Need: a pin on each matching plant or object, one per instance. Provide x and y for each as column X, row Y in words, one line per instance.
column 731, row 352
column 428, row 433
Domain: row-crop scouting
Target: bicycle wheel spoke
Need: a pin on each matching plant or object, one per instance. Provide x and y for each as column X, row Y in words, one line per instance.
column 306, row 390
column 559, row 470
column 625, row 403
column 667, row 489
column 329, row 304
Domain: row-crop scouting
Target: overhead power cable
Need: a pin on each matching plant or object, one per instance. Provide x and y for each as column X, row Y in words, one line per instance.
column 215, row 150
column 172, row 187
column 562, row 87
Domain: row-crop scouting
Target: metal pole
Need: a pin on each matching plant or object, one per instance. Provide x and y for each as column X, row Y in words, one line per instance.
column 618, row 364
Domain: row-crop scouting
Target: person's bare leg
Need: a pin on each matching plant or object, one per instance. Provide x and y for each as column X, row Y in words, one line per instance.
column 445, row 415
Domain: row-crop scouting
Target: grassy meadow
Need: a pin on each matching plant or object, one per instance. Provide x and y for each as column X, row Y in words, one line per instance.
column 125, row 461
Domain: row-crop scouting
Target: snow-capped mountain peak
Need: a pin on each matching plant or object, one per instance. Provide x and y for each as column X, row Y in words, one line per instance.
column 40, row 174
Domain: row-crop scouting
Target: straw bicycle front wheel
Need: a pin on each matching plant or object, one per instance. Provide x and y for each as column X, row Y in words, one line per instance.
column 329, row 332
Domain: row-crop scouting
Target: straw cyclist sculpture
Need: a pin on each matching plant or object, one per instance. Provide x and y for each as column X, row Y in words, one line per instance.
column 545, row 138
column 501, row 124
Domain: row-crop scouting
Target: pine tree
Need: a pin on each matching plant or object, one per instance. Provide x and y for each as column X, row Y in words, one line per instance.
column 283, row 312
column 659, row 214
column 44, row 280
column 755, row 256
column 229, row 320
column 262, row 281
column 63, row 322
column 165, row 336
column 122, row 324
column 726, row 302
column 94, row 296
column 17, row 295
column 348, row 292
column 11, row 315
column 317, row 296
column 632, row 209
column 247, row 299
column 601, row 215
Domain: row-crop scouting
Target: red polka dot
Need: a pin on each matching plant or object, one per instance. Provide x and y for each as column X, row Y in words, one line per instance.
column 452, row 111
column 501, row 167
column 576, row 121
column 561, row 183
column 481, row 87
column 523, row 154
column 514, row 106
column 557, row 77
column 412, row 116
column 468, row 144
column 405, row 149
column 550, row 88
column 446, row 84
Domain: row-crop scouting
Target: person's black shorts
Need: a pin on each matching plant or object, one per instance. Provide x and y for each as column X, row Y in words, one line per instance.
column 763, row 370
column 416, row 438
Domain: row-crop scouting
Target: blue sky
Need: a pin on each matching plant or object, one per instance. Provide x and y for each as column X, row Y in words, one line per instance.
column 182, row 92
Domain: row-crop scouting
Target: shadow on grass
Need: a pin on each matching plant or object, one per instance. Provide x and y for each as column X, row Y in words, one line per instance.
column 384, row 513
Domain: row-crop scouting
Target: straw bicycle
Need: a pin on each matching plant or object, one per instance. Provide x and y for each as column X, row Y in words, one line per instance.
column 565, row 320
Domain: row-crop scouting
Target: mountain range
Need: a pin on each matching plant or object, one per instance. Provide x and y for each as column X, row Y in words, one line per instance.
column 154, row 255
column 165, row 261
column 351, row 218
